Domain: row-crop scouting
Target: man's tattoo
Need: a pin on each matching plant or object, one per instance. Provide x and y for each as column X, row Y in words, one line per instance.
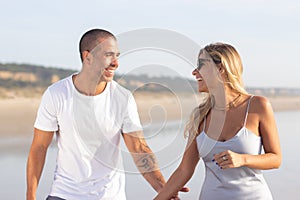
column 146, row 163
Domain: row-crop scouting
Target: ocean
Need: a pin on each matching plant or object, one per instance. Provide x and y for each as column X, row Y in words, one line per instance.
column 167, row 142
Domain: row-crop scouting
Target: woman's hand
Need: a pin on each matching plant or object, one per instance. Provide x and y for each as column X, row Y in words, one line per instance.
column 176, row 197
column 229, row 159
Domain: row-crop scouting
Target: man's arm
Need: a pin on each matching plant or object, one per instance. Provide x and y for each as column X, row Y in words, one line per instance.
column 144, row 159
column 36, row 160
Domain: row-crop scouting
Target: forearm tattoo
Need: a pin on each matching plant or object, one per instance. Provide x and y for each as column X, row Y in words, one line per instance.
column 146, row 163
column 145, row 159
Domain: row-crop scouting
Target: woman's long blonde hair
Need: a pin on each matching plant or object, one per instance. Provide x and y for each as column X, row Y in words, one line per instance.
column 228, row 57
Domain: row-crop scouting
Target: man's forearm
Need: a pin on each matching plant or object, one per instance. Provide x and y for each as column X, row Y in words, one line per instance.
column 156, row 179
column 35, row 164
column 148, row 166
column 144, row 159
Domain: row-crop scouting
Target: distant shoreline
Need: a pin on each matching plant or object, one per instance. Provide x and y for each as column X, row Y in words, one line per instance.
column 18, row 114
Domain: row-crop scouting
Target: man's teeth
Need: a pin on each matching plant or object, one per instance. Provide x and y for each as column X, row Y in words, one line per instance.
column 111, row 70
column 199, row 79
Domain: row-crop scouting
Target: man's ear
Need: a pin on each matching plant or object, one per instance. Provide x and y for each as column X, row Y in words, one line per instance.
column 87, row 57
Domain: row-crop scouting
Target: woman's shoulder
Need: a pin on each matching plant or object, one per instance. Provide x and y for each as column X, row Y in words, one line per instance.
column 260, row 103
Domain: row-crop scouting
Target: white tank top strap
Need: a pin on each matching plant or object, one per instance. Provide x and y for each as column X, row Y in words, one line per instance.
column 247, row 110
column 204, row 123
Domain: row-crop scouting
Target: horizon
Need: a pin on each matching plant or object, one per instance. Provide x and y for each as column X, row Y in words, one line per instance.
column 118, row 75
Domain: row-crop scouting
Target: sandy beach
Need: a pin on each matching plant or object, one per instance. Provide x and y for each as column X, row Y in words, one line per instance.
column 18, row 114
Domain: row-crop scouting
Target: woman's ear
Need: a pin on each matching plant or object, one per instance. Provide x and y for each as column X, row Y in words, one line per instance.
column 221, row 70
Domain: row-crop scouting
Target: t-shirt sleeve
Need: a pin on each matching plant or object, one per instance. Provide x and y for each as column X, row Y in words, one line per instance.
column 46, row 119
column 131, row 121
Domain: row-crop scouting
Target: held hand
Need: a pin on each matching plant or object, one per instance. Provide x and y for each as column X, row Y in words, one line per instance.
column 184, row 189
column 229, row 159
column 175, row 196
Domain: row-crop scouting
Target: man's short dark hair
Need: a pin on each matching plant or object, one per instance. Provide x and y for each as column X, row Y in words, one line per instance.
column 90, row 39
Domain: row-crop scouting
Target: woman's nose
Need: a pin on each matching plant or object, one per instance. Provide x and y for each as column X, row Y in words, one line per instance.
column 194, row 72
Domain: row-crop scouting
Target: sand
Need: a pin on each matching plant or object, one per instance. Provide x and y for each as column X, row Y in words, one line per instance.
column 17, row 115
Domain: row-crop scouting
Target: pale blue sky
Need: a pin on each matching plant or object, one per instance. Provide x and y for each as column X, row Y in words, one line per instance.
column 266, row 33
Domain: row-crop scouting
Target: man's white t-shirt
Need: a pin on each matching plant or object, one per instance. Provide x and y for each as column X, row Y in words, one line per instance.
column 89, row 164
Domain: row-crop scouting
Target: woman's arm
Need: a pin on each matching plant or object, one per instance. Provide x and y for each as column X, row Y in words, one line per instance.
column 182, row 174
column 270, row 139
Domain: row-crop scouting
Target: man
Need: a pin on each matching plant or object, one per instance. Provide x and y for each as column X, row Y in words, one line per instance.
column 89, row 112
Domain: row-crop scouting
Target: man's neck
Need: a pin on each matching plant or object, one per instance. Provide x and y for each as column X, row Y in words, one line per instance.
column 88, row 86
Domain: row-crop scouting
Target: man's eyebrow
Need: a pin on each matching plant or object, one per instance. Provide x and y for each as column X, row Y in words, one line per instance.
column 113, row 53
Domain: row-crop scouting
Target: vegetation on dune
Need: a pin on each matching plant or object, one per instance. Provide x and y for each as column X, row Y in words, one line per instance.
column 31, row 80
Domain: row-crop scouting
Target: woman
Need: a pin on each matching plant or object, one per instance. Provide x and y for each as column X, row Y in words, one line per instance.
column 228, row 131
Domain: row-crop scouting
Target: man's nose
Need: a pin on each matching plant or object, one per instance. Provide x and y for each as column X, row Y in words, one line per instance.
column 115, row 62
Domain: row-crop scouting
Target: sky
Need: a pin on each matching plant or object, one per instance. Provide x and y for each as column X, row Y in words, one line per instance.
column 265, row 33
